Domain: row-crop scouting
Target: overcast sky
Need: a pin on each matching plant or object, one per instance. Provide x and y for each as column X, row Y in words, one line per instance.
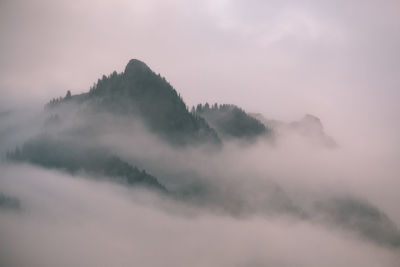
column 339, row 60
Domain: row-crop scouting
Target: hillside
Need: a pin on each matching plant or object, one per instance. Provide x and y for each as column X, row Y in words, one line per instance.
column 231, row 121
column 141, row 92
column 51, row 153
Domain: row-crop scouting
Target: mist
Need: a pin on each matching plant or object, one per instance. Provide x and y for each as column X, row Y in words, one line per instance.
column 270, row 201
column 68, row 221
column 289, row 156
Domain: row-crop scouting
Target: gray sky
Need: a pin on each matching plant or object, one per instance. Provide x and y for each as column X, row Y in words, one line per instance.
column 339, row 60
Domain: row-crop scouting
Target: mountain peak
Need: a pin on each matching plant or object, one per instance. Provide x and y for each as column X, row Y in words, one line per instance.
column 311, row 123
column 135, row 66
column 142, row 92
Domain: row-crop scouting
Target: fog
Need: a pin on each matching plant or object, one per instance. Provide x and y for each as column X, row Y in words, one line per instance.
column 68, row 221
column 316, row 190
column 280, row 200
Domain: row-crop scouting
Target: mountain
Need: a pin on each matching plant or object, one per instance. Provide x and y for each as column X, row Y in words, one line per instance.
column 71, row 124
column 140, row 91
column 309, row 127
column 9, row 203
column 52, row 153
column 362, row 217
column 231, row 121
column 91, row 133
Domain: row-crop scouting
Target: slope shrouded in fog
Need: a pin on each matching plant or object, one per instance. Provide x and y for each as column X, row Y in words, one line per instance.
column 246, row 133
column 134, row 130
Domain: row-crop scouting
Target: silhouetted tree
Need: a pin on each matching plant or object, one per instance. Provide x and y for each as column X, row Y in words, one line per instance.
column 68, row 95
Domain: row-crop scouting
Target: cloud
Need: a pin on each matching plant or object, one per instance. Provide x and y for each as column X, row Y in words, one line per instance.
column 74, row 221
column 245, row 205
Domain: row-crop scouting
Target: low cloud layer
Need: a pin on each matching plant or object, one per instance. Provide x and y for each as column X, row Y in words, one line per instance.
column 274, row 201
column 68, row 221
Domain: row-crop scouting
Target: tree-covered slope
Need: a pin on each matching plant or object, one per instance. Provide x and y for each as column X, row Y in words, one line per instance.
column 140, row 91
column 51, row 153
column 231, row 121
